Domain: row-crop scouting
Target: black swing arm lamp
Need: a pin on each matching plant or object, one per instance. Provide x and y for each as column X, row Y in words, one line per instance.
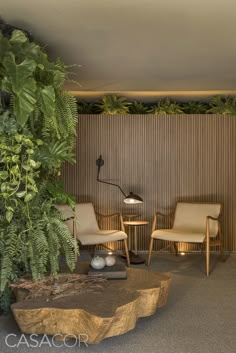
column 131, row 198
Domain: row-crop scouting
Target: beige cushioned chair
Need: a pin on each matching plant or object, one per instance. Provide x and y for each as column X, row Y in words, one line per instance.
column 84, row 226
column 194, row 222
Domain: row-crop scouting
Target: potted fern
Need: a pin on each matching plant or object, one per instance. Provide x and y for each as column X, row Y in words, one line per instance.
column 37, row 131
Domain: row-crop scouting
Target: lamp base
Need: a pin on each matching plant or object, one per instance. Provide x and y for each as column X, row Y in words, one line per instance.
column 134, row 259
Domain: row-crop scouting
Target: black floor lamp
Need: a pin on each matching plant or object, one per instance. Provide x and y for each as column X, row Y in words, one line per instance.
column 131, row 198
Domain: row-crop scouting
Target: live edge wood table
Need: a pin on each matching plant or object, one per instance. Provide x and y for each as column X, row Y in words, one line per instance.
column 111, row 312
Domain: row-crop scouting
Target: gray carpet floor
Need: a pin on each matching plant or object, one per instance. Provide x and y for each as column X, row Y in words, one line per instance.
column 200, row 316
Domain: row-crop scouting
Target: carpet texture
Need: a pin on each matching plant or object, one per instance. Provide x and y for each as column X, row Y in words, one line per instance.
column 200, row 316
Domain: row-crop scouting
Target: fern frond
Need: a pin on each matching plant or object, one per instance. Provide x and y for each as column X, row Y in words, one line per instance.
column 66, row 114
column 8, row 255
column 68, row 243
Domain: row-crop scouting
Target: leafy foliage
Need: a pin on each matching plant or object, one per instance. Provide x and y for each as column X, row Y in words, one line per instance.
column 37, row 131
column 113, row 105
column 194, row 108
column 138, row 108
column 85, row 108
column 52, row 155
column 217, row 105
column 37, row 246
column 166, row 107
column 222, row 105
column 56, row 190
column 35, row 86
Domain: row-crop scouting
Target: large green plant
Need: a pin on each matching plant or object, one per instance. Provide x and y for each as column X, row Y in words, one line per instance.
column 35, row 86
column 37, row 130
column 222, row 105
column 165, row 107
column 113, row 105
column 119, row 105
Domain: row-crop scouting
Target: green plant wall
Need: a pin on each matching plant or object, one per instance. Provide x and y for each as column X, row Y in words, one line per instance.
column 37, row 134
column 112, row 104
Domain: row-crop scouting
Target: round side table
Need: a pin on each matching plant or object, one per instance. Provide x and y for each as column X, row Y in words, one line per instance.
column 135, row 224
column 129, row 216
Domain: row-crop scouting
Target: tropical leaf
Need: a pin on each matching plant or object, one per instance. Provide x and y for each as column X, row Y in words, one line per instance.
column 222, row 105
column 85, row 108
column 165, row 107
column 47, row 101
column 24, row 102
column 54, row 154
column 194, row 108
column 18, row 74
column 138, row 108
column 18, row 37
column 113, row 105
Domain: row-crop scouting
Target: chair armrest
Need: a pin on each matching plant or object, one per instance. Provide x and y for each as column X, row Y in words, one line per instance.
column 69, row 218
column 154, row 223
column 217, row 219
column 113, row 215
column 213, row 218
column 107, row 215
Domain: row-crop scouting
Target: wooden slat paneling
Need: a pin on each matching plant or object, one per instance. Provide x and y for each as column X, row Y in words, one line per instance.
column 162, row 158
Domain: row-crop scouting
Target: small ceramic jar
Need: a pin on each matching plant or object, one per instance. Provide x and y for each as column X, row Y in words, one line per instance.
column 98, row 263
column 110, row 260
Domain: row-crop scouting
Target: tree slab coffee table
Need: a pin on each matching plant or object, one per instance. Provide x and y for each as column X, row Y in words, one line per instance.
column 110, row 312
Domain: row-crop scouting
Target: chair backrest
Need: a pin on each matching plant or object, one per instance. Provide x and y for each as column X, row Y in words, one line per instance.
column 192, row 216
column 86, row 218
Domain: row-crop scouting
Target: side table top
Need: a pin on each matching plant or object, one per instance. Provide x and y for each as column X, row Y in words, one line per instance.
column 129, row 215
column 135, row 223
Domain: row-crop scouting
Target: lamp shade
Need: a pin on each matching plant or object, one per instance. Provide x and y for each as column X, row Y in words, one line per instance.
column 133, row 199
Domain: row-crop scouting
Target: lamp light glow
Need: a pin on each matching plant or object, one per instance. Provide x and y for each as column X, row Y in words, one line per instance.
column 133, row 199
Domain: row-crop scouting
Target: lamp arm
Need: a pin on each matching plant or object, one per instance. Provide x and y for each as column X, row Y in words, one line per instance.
column 99, row 164
column 107, row 182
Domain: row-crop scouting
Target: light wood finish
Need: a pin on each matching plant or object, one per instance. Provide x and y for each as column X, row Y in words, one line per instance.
column 154, row 226
column 122, row 228
column 135, row 224
column 110, row 313
column 127, row 252
column 129, row 216
column 208, row 241
column 161, row 158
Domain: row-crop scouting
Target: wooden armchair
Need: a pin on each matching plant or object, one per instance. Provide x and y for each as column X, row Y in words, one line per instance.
column 193, row 222
column 84, row 226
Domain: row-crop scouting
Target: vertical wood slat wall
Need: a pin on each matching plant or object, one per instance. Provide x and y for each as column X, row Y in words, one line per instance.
column 161, row 158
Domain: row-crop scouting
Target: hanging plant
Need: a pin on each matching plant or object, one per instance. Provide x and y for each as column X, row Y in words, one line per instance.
column 112, row 105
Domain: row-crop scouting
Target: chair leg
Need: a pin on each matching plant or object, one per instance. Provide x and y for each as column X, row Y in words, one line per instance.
column 221, row 244
column 127, row 252
column 176, row 248
column 207, row 257
column 202, row 248
column 222, row 251
column 150, row 252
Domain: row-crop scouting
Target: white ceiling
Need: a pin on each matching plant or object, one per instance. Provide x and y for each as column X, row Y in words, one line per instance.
column 134, row 45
